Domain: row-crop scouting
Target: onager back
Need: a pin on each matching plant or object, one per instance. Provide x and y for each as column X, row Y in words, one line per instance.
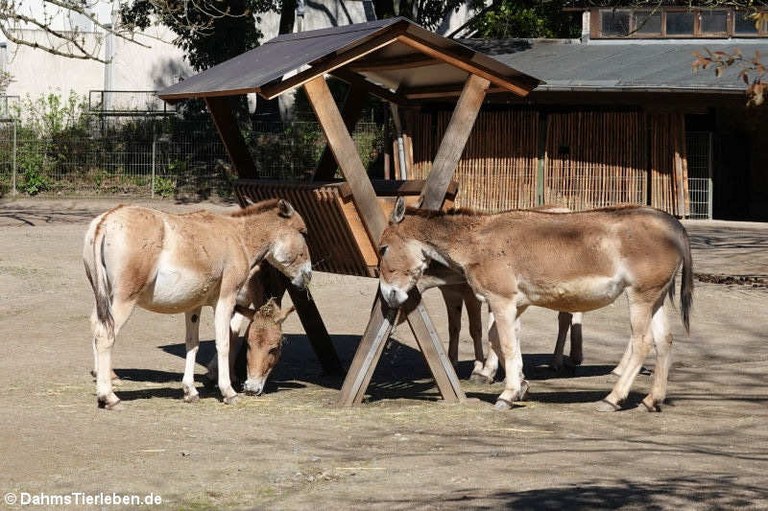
column 179, row 263
column 574, row 262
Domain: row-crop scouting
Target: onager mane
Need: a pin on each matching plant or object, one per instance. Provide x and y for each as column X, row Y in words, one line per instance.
column 256, row 208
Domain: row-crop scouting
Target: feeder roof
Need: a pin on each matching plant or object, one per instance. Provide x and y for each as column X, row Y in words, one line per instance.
column 394, row 58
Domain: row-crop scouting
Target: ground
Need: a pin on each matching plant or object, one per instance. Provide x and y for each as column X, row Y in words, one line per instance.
column 292, row 448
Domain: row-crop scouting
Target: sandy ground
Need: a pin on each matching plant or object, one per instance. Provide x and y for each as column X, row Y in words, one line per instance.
column 292, row 448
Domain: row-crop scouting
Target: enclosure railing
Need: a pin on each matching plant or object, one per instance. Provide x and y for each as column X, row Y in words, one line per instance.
column 156, row 155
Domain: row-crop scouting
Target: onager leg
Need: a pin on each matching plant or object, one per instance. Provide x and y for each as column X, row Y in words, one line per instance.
column 577, row 354
column 475, row 316
column 563, row 324
column 222, row 318
column 640, row 312
column 487, row 372
column 103, row 340
column 453, row 306
column 662, row 339
column 565, row 321
column 508, row 325
column 192, row 320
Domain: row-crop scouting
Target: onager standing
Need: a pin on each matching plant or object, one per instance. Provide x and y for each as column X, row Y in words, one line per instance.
column 179, row 263
column 563, row 261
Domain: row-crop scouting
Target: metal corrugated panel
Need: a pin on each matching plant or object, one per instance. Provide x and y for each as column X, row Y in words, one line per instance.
column 663, row 65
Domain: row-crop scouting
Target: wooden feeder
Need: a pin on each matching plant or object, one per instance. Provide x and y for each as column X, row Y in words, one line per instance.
column 399, row 62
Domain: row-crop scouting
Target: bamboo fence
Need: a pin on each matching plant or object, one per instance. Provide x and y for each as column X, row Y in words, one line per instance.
column 595, row 159
column 589, row 159
column 497, row 170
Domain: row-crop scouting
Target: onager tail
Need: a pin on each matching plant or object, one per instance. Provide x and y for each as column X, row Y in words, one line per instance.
column 686, row 283
column 101, row 287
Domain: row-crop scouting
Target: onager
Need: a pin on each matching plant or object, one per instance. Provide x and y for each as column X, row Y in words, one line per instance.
column 264, row 341
column 170, row 264
column 573, row 262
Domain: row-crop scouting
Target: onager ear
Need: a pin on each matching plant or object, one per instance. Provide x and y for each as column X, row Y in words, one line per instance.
column 245, row 311
column 285, row 209
column 282, row 315
column 398, row 213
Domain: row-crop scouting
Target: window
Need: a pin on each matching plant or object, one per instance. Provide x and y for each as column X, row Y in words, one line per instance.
column 680, row 23
column 674, row 22
column 743, row 25
column 615, row 23
column 714, row 22
column 647, row 23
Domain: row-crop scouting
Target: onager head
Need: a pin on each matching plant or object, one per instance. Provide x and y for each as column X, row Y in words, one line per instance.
column 289, row 252
column 402, row 260
column 264, row 339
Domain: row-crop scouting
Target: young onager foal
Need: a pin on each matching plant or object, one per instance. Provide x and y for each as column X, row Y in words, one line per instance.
column 563, row 261
column 179, row 263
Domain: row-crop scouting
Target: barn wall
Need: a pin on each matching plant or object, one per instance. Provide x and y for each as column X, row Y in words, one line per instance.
column 523, row 157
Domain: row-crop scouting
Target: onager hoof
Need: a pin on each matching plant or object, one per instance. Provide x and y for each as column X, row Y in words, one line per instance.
column 231, row 400
column 524, row 386
column 503, row 405
column 651, row 405
column 480, row 378
column 606, row 406
column 191, row 398
column 110, row 405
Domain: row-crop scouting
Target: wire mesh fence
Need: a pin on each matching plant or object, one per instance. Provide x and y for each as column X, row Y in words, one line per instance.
column 699, row 153
column 156, row 155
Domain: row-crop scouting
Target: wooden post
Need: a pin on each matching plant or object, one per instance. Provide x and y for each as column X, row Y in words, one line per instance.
column 453, row 143
column 315, row 329
column 381, row 322
column 230, row 135
column 351, row 112
column 345, row 151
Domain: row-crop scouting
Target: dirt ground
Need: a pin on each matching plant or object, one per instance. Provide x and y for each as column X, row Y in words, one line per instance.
column 292, row 448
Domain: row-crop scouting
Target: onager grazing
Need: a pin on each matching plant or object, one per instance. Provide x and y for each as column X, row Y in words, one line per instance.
column 563, row 261
column 263, row 333
column 264, row 340
column 179, row 263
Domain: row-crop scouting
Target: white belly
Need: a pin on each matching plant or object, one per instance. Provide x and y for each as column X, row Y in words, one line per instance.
column 178, row 289
column 576, row 295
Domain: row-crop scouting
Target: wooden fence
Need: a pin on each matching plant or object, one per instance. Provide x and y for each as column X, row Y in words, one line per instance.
column 520, row 158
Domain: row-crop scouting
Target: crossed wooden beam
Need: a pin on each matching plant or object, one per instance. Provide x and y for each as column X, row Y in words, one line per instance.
column 342, row 149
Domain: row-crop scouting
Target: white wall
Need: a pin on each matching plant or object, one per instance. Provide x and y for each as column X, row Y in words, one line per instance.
column 36, row 72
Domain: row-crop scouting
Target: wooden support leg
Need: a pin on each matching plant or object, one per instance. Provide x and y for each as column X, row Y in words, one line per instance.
column 316, row 331
column 368, row 353
column 432, row 349
column 372, row 344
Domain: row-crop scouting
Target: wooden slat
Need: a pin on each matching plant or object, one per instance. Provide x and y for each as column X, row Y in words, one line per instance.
column 518, row 85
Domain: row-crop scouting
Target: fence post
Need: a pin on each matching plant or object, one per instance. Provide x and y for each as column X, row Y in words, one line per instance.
column 154, row 159
column 14, row 191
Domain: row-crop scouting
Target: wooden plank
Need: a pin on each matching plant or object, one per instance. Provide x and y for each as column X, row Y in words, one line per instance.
column 315, row 329
column 328, row 65
column 368, row 352
column 434, row 353
column 351, row 112
column 409, row 61
column 372, row 88
column 454, row 141
column 348, row 159
column 520, row 85
column 231, row 137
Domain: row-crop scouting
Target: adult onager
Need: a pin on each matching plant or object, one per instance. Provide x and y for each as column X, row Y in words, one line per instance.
column 573, row 262
column 170, row 263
